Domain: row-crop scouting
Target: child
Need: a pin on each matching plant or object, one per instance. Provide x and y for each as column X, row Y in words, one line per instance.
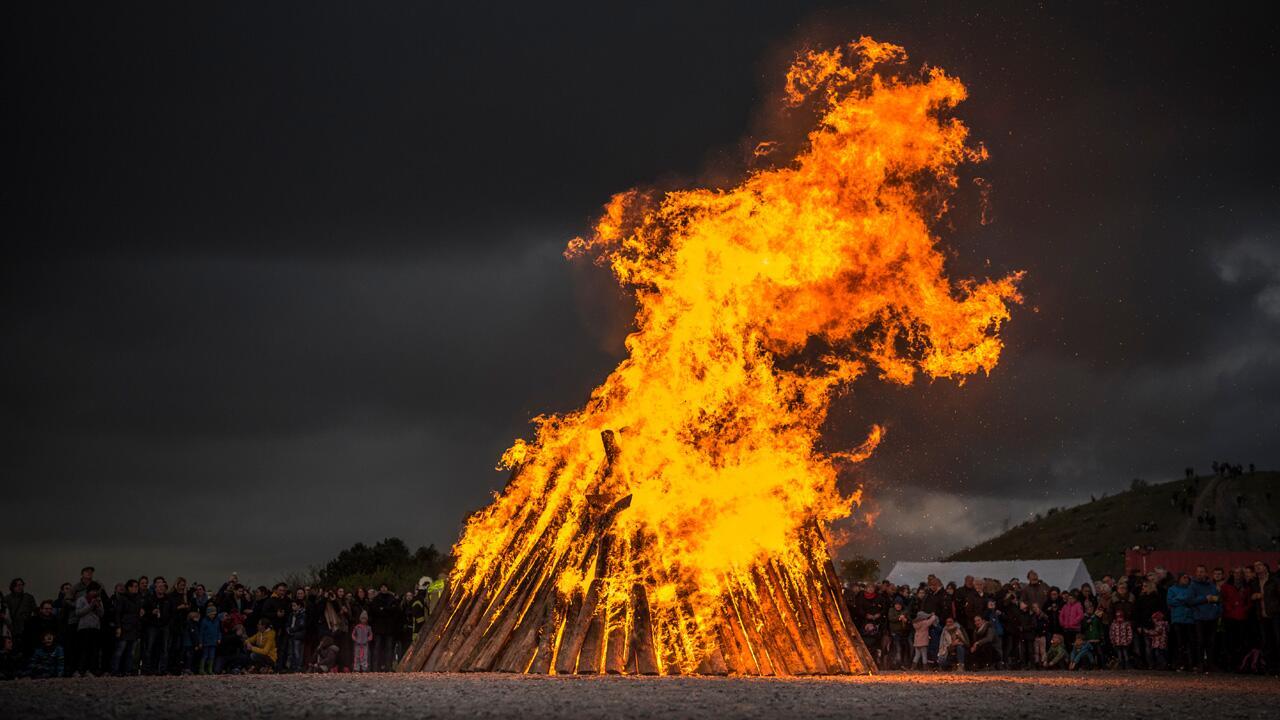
column 1056, row 656
column 362, row 635
column 190, row 641
column 210, row 634
column 297, row 632
column 1082, row 655
column 326, row 655
column 1121, row 638
column 1158, row 641
column 47, row 661
column 1041, row 634
column 262, row 648
column 920, row 643
column 1094, row 630
column 9, row 660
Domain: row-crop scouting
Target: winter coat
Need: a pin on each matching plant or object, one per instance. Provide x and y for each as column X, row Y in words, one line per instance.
column 1094, row 629
column 21, row 607
column 158, row 611
column 264, row 643
column 1145, row 605
column 952, row 635
column 362, row 634
column 1269, row 605
column 1056, row 654
column 922, row 626
column 88, row 614
column 1121, row 633
column 46, row 662
column 1181, row 605
column 1035, row 594
column 985, row 635
column 1235, row 602
column 297, row 623
column 1201, row 591
column 210, row 631
column 1071, row 615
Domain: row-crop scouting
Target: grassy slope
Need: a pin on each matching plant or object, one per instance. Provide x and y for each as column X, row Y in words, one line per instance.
column 1100, row 531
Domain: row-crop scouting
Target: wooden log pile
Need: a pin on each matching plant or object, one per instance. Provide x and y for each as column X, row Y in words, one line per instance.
column 779, row 621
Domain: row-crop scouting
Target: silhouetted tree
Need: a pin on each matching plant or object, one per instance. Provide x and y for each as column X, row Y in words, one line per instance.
column 860, row 569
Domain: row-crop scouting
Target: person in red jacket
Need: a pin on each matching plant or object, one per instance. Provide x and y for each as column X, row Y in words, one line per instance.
column 1235, row 615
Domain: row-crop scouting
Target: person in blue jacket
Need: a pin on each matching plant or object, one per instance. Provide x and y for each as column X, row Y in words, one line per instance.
column 210, row 635
column 1208, row 608
column 1182, row 611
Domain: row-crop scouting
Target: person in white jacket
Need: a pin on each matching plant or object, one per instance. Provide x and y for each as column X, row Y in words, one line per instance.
column 953, row 645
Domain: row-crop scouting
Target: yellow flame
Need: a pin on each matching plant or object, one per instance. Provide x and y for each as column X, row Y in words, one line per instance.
column 755, row 304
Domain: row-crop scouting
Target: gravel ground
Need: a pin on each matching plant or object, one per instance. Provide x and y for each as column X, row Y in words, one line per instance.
column 387, row 697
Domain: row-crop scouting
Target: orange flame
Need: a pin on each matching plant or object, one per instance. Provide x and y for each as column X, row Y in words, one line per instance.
column 755, row 304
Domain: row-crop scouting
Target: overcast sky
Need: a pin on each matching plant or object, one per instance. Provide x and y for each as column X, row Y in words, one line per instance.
column 282, row 277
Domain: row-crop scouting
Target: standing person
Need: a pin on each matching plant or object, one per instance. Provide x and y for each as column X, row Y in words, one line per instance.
column 1121, row 638
column 923, row 623
column 1267, row 606
column 1041, row 635
column 1235, row 616
column 297, row 633
column 157, row 620
column 22, row 606
column 276, row 608
column 210, row 634
column 385, row 617
column 1157, row 641
column 899, row 635
column 1181, row 600
column 1205, row 599
column 1035, row 592
column 362, row 636
column 128, row 612
column 89, row 612
column 180, row 611
column 1149, row 601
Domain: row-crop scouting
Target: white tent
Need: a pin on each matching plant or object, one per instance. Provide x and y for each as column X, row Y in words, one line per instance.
column 1064, row 574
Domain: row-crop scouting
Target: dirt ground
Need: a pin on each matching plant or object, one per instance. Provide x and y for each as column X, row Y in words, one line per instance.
column 387, row 697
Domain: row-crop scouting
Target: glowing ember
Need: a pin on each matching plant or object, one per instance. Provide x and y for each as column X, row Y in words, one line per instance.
column 677, row 522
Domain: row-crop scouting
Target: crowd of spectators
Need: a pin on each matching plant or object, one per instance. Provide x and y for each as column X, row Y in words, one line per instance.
column 152, row 626
column 1205, row 621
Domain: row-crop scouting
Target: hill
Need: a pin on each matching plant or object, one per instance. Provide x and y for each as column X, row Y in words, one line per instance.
column 1247, row 510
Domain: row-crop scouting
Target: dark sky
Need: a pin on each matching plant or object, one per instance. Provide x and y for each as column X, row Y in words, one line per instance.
column 281, row 277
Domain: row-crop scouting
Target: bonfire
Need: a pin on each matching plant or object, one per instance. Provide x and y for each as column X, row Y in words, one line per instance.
column 678, row 523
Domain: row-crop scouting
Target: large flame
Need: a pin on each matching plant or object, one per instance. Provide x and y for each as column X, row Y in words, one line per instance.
column 756, row 303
